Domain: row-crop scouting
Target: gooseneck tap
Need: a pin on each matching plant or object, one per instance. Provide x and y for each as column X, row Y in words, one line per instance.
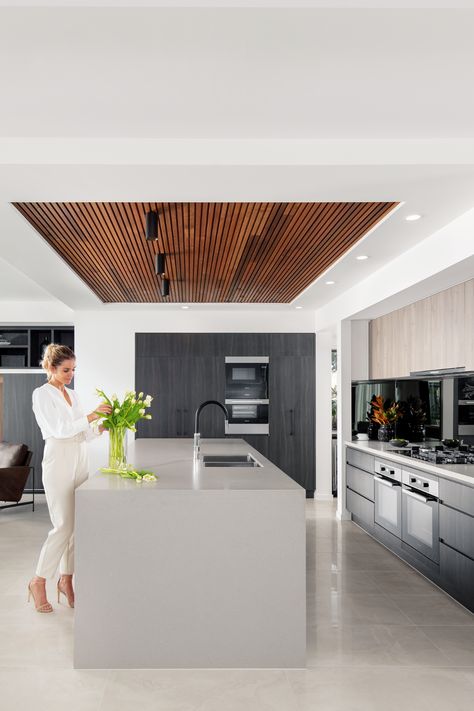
column 197, row 436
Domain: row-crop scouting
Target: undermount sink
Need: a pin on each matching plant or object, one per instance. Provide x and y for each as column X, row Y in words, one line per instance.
column 229, row 460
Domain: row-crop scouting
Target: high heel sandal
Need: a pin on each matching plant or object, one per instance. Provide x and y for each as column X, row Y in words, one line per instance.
column 69, row 599
column 45, row 607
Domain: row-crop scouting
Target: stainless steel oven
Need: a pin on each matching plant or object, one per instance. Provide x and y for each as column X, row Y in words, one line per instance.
column 465, row 409
column 247, row 416
column 246, row 378
column 420, row 514
column 388, row 497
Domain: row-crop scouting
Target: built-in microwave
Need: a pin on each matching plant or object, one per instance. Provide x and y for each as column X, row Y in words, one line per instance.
column 246, row 377
column 247, row 416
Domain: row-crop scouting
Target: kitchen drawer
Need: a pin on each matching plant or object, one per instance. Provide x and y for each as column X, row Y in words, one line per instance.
column 457, row 495
column 360, row 481
column 457, row 575
column 361, row 460
column 360, row 507
column 382, row 466
column 457, row 530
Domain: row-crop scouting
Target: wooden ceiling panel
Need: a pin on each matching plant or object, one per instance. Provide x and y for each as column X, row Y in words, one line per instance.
column 215, row 252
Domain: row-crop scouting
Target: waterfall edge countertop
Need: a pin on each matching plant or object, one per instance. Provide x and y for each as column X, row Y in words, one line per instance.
column 203, row 568
column 462, row 473
column 172, row 462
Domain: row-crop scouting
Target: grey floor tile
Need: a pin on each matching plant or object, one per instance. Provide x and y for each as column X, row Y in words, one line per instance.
column 206, row 690
column 456, row 642
column 387, row 688
column 433, row 609
column 372, row 645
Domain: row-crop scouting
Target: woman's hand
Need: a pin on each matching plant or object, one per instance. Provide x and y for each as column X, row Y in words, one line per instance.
column 101, row 409
column 101, row 429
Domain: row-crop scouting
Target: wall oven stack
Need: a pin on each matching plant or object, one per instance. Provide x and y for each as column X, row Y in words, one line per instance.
column 246, row 394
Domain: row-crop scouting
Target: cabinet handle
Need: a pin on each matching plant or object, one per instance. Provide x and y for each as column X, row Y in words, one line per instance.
column 178, row 418
column 292, row 423
column 185, row 412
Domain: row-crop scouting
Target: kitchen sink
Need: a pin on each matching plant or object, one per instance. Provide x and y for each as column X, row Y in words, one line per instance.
column 229, row 460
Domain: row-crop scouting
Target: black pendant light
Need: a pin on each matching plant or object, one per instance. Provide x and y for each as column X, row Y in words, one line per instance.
column 151, row 226
column 160, row 263
column 165, row 287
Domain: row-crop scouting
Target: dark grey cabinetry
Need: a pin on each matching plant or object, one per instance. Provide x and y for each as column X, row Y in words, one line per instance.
column 19, row 424
column 22, row 347
column 291, row 417
column 360, row 487
column 456, row 531
column 183, row 369
column 179, row 385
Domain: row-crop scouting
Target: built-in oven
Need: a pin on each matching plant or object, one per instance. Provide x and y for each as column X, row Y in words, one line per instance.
column 247, row 416
column 465, row 409
column 388, row 497
column 420, row 514
column 246, row 377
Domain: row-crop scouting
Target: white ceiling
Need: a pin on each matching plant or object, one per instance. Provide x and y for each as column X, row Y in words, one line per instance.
column 195, row 104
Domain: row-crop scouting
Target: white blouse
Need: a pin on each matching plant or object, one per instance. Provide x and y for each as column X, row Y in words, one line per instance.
column 55, row 417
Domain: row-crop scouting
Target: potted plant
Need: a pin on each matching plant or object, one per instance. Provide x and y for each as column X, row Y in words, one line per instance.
column 384, row 413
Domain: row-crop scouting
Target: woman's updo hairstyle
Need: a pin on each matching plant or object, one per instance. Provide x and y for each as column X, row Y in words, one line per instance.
column 54, row 355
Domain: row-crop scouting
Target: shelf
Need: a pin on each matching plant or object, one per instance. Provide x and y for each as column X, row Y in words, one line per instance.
column 29, row 352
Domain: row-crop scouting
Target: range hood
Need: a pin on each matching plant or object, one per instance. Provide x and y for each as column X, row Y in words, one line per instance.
column 441, row 372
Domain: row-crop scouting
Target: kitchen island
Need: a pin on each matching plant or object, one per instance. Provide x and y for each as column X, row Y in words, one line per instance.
column 204, row 568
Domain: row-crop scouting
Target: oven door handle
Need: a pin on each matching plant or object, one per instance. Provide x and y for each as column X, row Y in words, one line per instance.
column 385, row 482
column 419, row 497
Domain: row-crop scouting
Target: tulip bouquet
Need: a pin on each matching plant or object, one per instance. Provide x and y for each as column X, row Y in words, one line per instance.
column 124, row 416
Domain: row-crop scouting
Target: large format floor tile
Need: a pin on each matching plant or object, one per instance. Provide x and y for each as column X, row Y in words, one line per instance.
column 379, row 636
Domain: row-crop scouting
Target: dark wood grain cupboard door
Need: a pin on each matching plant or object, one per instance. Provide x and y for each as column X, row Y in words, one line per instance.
column 203, row 379
column 291, row 418
column 162, row 379
column 19, row 423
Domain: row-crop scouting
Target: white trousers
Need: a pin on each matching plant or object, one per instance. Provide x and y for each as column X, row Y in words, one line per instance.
column 65, row 467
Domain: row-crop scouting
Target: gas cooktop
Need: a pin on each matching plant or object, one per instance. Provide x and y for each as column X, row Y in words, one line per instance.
column 464, row 454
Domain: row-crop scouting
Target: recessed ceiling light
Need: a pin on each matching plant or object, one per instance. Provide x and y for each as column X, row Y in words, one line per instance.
column 330, row 282
column 298, row 307
column 361, row 257
column 185, row 307
column 412, row 218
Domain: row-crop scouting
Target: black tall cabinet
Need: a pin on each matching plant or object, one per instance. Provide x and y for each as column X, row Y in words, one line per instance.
column 182, row 370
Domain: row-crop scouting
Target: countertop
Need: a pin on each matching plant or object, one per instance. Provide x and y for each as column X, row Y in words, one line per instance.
column 462, row 473
column 172, row 462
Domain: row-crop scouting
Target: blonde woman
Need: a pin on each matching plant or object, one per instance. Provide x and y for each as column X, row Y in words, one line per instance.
column 65, row 429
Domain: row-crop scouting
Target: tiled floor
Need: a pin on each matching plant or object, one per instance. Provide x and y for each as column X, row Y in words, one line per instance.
column 379, row 637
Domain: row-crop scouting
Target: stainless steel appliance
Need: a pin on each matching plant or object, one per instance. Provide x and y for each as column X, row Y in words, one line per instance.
column 246, row 377
column 247, row 417
column 463, row 454
column 465, row 406
column 246, row 394
column 420, row 515
column 388, row 497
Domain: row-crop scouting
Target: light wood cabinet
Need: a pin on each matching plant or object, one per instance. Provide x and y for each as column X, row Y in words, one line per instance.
column 437, row 332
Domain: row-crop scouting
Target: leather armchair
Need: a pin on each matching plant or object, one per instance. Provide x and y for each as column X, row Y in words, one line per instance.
column 14, row 471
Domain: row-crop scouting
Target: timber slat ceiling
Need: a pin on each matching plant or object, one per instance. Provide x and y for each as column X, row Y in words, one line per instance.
column 215, row 252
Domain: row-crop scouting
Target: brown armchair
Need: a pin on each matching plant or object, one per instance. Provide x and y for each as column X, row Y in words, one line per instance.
column 14, row 471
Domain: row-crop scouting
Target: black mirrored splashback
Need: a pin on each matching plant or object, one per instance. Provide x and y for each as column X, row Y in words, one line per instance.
column 420, row 402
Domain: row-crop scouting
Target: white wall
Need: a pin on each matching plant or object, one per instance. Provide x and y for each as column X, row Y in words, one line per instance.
column 26, row 313
column 105, row 344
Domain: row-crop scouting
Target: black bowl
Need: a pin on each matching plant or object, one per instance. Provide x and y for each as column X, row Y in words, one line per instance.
column 451, row 443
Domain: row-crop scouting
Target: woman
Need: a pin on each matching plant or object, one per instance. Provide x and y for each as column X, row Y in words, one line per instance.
column 65, row 430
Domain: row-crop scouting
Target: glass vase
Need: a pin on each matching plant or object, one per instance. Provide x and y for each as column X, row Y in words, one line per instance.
column 118, row 448
column 385, row 433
